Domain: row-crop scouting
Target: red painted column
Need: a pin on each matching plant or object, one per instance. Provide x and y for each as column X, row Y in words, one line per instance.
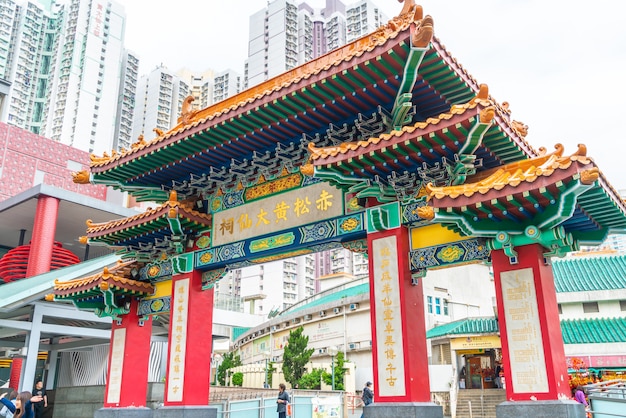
column 190, row 342
column 42, row 241
column 399, row 348
column 129, row 356
column 530, row 330
column 16, row 372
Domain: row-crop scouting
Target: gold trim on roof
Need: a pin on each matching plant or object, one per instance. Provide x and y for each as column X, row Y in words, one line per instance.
column 166, row 208
column 411, row 13
column 514, row 174
column 325, row 152
column 105, row 278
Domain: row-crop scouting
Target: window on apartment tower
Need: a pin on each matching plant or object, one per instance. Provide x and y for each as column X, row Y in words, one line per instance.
column 590, row 307
column 622, row 305
column 560, row 307
column 429, row 302
column 438, row 306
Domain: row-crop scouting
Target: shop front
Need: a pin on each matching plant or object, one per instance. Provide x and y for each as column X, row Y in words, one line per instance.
column 479, row 359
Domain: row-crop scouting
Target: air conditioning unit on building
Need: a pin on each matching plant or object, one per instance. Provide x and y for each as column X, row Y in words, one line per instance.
column 308, row 317
column 337, row 310
column 322, row 313
column 353, row 346
column 354, row 306
column 274, row 328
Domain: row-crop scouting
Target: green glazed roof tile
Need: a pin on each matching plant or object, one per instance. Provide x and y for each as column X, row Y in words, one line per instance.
column 594, row 331
column 581, row 274
column 487, row 325
column 575, row 331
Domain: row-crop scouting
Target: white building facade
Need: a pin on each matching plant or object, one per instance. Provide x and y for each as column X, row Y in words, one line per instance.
column 288, row 33
column 158, row 103
column 53, row 55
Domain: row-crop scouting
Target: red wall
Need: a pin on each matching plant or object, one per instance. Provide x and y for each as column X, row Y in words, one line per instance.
column 23, row 153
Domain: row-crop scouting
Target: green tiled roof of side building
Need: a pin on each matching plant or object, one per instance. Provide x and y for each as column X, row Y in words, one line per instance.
column 575, row 331
column 594, row 331
column 583, row 274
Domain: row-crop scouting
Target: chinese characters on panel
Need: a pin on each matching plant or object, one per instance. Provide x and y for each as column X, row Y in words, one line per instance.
column 390, row 353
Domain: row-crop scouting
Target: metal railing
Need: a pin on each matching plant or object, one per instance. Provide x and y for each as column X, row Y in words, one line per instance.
column 607, row 399
column 265, row 407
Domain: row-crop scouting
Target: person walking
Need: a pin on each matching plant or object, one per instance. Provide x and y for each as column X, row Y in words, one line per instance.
column 38, row 390
column 5, row 412
column 23, row 407
column 367, row 396
column 282, row 401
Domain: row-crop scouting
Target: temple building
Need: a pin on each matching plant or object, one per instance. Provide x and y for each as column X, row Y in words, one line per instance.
column 386, row 147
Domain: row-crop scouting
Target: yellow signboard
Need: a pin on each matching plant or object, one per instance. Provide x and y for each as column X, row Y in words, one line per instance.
column 477, row 342
column 432, row 235
column 277, row 213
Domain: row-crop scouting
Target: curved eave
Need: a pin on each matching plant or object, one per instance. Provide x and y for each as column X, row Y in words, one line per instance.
column 114, row 278
column 521, row 202
column 117, row 285
column 147, row 227
column 425, row 142
column 327, row 81
column 308, row 105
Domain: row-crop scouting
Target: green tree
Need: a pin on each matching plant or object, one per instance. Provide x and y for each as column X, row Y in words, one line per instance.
column 339, row 373
column 238, row 379
column 270, row 373
column 311, row 380
column 230, row 360
column 296, row 356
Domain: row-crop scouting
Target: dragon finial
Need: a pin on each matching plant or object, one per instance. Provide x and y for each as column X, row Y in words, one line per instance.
column 424, row 34
column 187, row 113
column 80, row 177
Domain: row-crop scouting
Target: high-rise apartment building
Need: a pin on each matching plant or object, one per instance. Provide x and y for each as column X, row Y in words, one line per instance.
column 66, row 69
column 200, row 86
column 271, row 287
column 226, row 84
column 27, row 39
column 123, row 136
column 161, row 93
column 83, row 104
column 288, row 33
column 158, row 103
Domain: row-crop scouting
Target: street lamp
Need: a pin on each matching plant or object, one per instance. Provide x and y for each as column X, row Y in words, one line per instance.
column 217, row 360
column 267, row 355
column 332, row 350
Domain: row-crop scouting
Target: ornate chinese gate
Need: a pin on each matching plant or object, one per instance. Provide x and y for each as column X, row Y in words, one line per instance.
column 385, row 146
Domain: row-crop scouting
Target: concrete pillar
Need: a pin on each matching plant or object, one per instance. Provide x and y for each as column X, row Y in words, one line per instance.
column 16, row 372
column 42, row 241
column 530, row 331
column 129, row 357
column 189, row 349
column 32, row 349
column 399, row 351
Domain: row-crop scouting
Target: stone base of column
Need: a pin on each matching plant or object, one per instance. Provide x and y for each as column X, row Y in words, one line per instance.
column 404, row 410
column 123, row 413
column 185, row 412
column 540, row 409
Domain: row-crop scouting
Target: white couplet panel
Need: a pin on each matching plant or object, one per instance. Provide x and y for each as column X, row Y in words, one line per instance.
column 117, row 364
column 389, row 342
column 528, row 366
column 178, row 341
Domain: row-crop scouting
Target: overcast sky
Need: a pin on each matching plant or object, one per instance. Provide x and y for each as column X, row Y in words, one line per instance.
column 560, row 64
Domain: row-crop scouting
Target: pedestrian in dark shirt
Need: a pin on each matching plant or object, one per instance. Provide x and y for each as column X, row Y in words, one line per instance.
column 41, row 405
column 282, row 401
